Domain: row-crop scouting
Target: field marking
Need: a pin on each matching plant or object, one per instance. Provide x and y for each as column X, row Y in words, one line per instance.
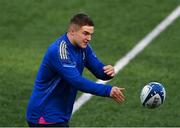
column 120, row 64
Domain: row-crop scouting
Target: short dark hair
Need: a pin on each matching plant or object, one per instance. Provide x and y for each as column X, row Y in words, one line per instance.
column 81, row 19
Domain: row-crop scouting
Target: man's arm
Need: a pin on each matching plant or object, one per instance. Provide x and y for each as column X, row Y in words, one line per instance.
column 68, row 71
column 97, row 67
column 71, row 75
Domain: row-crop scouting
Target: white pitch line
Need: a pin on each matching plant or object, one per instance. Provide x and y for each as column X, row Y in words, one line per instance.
column 120, row 64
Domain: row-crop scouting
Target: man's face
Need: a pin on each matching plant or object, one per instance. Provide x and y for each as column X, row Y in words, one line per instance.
column 83, row 35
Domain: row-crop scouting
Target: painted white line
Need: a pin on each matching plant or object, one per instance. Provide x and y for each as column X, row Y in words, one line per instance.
column 120, row 64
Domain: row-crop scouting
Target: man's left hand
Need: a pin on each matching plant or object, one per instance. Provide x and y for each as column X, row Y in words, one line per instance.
column 109, row 70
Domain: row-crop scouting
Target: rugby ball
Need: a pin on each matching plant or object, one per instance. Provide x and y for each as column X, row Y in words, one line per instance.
column 152, row 95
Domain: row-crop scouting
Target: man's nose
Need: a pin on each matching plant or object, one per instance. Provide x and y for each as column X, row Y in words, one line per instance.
column 89, row 37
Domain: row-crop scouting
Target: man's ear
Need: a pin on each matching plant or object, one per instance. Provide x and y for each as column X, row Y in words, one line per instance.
column 73, row 29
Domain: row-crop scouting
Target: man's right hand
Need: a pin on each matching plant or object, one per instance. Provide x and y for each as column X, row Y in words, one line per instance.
column 117, row 94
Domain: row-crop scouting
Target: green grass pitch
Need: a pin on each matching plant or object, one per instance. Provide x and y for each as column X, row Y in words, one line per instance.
column 28, row 27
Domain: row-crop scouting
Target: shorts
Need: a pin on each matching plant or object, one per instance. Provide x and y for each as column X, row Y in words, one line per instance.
column 60, row 124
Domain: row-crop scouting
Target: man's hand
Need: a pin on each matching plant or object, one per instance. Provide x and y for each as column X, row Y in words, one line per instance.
column 109, row 70
column 117, row 94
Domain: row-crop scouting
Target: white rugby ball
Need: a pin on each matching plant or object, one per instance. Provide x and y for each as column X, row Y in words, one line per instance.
column 153, row 95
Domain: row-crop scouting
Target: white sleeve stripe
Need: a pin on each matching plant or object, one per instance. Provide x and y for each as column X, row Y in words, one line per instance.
column 63, row 50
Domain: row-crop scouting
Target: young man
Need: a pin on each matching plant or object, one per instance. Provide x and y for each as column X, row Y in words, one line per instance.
column 60, row 76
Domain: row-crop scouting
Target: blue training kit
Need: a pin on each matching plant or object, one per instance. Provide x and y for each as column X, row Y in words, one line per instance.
column 60, row 77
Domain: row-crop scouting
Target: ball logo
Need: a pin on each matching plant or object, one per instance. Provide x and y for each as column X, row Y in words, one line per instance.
column 152, row 95
column 155, row 102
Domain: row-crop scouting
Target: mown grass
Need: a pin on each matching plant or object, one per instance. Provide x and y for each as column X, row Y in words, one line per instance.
column 28, row 27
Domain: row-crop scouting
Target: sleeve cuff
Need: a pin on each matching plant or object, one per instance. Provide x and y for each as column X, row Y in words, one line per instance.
column 108, row 91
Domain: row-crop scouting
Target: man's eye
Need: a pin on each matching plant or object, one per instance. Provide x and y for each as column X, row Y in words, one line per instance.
column 85, row 33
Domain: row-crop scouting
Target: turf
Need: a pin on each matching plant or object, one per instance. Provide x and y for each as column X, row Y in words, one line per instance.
column 28, row 27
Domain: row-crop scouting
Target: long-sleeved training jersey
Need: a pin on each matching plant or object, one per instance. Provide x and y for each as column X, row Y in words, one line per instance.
column 58, row 79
